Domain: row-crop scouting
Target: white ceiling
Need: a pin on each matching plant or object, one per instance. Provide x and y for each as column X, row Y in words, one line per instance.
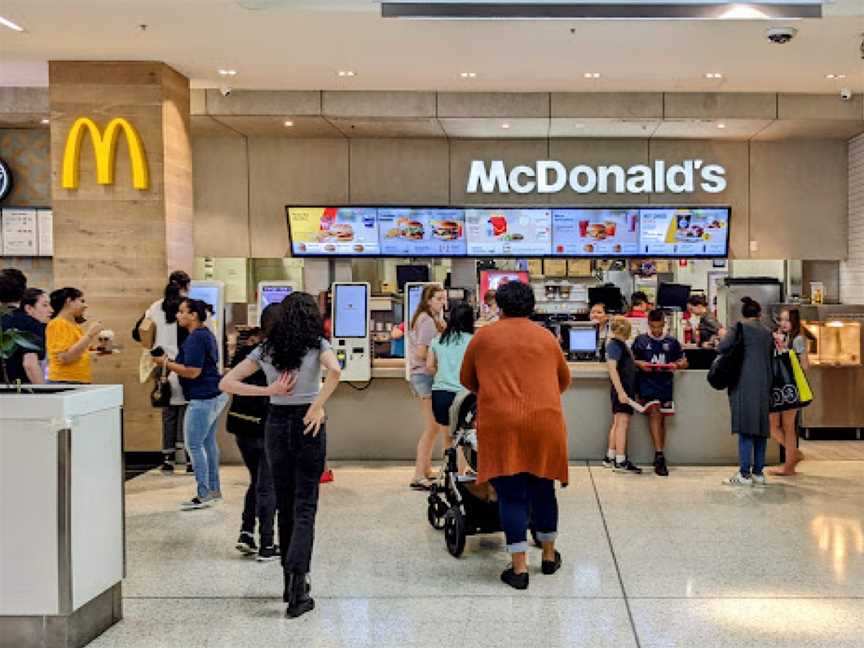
column 301, row 44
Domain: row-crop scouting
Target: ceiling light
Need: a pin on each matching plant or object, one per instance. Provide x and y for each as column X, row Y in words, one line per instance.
column 592, row 75
column 713, row 75
column 11, row 25
column 347, row 73
column 289, row 123
column 743, row 12
column 227, row 72
column 505, row 125
column 721, row 125
column 44, row 122
column 468, row 75
column 835, row 76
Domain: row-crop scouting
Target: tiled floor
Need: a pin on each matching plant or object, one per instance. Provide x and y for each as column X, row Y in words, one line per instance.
column 649, row 562
column 833, row 450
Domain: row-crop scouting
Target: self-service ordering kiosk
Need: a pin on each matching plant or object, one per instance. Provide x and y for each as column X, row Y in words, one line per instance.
column 350, row 320
column 272, row 292
column 212, row 293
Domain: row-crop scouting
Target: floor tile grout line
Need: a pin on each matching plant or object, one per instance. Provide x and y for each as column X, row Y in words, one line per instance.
column 614, row 557
column 422, row 597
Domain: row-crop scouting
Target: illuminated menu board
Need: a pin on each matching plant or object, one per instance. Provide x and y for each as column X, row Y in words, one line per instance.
column 684, row 232
column 595, row 232
column 419, row 232
column 510, row 232
column 333, row 231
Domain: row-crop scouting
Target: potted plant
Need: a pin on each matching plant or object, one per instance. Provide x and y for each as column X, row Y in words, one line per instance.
column 11, row 339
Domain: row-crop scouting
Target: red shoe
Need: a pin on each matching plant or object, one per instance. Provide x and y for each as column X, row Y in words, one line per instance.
column 326, row 477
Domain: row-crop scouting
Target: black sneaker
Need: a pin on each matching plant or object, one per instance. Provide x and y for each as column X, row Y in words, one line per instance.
column 189, row 468
column 246, row 544
column 660, row 466
column 196, row 503
column 299, row 601
column 608, row 462
column 167, row 468
column 266, row 554
column 549, row 567
column 514, row 580
column 627, row 467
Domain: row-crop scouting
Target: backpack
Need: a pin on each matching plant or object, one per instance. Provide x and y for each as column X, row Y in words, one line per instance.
column 725, row 371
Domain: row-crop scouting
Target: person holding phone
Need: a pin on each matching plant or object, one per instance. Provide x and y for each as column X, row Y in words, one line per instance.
column 66, row 344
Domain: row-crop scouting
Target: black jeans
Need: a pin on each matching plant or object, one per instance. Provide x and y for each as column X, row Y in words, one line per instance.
column 296, row 461
column 172, row 430
column 260, row 499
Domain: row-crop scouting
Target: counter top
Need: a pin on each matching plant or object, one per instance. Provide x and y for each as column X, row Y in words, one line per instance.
column 59, row 401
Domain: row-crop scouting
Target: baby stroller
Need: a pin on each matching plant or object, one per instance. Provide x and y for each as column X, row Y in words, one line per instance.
column 451, row 504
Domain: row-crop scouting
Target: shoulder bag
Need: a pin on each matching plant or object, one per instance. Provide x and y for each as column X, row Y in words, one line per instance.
column 726, row 368
column 161, row 394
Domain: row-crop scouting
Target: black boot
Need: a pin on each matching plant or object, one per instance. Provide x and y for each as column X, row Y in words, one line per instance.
column 299, row 601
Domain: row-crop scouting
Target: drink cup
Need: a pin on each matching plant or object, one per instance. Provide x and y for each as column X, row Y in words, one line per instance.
column 583, row 228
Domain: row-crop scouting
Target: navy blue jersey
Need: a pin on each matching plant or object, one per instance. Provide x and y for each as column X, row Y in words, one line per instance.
column 666, row 350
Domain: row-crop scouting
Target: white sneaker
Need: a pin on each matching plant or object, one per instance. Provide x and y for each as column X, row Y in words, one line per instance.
column 738, row 480
column 759, row 480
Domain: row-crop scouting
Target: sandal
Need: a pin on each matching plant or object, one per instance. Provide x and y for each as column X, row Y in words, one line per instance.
column 421, row 484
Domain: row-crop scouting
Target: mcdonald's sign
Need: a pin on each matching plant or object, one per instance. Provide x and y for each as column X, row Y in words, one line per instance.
column 104, row 151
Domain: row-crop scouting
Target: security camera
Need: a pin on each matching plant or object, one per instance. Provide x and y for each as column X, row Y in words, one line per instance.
column 225, row 90
column 845, row 94
column 781, row 35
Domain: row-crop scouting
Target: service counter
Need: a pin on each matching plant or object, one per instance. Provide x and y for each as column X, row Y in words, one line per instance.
column 381, row 421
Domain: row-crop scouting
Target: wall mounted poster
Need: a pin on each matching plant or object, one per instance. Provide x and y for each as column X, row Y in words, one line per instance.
column 45, row 227
column 19, row 232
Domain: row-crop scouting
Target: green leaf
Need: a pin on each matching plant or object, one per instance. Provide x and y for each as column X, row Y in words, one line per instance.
column 25, row 340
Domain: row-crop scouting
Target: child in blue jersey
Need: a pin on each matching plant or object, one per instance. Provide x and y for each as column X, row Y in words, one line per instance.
column 658, row 356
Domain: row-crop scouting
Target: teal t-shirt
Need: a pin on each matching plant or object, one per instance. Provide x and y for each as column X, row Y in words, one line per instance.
column 449, row 359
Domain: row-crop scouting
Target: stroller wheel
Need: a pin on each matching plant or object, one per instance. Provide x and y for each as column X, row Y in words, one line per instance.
column 454, row 531
column 436, row 511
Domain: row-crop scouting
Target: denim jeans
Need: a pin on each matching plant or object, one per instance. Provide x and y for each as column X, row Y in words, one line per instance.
column 260, row 502
column 525, row 499
column 296, row 462
column 751, row 448
column 199, row 424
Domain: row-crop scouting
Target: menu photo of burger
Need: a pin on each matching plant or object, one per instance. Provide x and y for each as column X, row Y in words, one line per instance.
column 411, row 229
column 446, row 230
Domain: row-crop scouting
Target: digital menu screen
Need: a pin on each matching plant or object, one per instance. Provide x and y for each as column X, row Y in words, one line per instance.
column 684, row 232
column 274, row 294
column 595, row 232
column 510, row 232
column 333, row 231
column 417, row 231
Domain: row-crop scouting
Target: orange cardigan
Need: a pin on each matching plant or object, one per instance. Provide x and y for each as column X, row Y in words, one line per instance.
column 518, row 372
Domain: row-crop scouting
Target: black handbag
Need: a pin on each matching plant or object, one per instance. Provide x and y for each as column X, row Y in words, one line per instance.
column 725, row 371
column 161, row 394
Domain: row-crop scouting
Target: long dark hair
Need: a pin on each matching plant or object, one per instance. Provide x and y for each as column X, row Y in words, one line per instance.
column 428, row 293
column 171, row 302
column 299, row 329
column 795, row 328
column 60, row 296
column 461, row 320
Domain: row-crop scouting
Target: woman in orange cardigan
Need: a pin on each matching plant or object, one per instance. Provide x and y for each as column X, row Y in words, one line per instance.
column 518, row 372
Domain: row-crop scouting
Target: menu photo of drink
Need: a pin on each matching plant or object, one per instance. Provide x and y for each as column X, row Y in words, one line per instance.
column 422, row 231
column 333, row 231
column 509, row 232
column 694, row 232
column 595, row 232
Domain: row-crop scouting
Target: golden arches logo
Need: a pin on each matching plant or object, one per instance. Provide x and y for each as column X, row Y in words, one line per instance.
column 104, row 151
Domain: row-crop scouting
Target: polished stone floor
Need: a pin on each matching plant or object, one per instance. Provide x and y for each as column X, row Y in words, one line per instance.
column 649, row 562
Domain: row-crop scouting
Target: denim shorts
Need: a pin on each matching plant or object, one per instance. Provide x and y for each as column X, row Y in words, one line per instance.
column 421, row 385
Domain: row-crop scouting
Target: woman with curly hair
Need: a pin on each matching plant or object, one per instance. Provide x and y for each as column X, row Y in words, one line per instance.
column 292, row 358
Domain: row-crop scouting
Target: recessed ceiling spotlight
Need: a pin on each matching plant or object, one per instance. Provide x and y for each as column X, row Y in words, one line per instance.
column 721, row 125
column 44, row 122
column 592, row 75
column 289, row 123
column 227, row 72
column 468, row 75
column 505, row 125
column 578, row 125
column 11, row 25
column 835, row 76
column 346, row 73
column 713, row 75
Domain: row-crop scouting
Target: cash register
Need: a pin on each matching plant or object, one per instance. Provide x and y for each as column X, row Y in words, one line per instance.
column 580, row 341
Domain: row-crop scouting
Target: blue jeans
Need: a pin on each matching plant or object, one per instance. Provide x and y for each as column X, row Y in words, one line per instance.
column 751, row 446
column 524, row 499
column 199, row 424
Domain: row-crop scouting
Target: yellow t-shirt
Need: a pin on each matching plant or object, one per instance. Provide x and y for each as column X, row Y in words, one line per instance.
column 60, row 336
